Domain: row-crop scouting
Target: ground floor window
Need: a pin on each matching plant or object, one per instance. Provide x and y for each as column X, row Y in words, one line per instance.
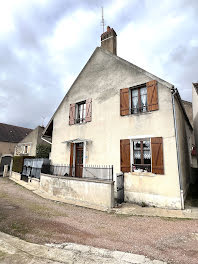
column 141, row 155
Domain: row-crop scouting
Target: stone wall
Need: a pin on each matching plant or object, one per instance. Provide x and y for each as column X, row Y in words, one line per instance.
column 90, row 193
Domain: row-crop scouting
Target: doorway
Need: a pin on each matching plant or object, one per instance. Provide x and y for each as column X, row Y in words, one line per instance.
column 5, row 160
column 79, row 160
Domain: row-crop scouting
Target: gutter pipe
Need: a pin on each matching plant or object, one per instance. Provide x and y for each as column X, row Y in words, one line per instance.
column 174, row 92
column 46, row 140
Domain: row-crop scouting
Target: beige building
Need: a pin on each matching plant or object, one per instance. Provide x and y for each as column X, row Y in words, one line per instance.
column 27, row 146
column 116, row 113
column 195, row 114
column 9, row 137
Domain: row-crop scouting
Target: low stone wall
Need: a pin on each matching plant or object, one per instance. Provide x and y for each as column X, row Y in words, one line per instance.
column 15, row 175
column 90, row 193
column 34, row 182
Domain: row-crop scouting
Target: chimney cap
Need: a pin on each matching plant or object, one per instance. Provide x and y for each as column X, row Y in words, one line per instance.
column 109, row 31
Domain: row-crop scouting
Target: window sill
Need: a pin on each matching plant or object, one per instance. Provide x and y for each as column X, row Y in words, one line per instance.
column 140, row 113
column 150, row 174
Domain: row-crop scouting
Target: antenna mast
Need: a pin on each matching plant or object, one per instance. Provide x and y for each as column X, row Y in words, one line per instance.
column 102, row 21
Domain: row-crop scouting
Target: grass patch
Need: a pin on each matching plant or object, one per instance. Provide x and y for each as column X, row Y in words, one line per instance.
column 18, row 227
column 2, row 254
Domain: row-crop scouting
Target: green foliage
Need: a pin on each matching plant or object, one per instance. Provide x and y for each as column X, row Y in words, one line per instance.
column 18, row 162
column 42, row 151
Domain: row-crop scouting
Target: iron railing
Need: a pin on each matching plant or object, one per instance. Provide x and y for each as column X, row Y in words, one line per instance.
column 88, row 171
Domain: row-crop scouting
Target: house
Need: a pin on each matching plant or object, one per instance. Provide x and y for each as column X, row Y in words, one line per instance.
column 116, row 113
column 9, row 137
column 28, row 145
column 195, row 114
column 189, row 111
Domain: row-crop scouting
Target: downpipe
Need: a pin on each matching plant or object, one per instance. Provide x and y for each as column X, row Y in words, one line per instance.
column 174, row 92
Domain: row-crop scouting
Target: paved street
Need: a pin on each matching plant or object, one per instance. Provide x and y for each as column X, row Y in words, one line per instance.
column 25, row 215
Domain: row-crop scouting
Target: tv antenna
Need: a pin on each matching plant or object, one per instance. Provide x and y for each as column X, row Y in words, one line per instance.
column 102, row 21
column 43, row 118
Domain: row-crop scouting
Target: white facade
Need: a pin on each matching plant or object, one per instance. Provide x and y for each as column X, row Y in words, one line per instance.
column 101, row 80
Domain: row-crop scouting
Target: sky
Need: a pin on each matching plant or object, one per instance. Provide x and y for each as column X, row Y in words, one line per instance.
column 44, row 44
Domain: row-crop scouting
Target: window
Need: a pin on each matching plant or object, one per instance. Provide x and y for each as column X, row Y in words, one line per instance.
column 139, row 100
column 80, row 112
column 142, row 155
column 25, row 149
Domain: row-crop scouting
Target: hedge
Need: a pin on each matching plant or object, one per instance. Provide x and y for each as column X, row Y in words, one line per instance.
column 18, row 163
column 42, row 151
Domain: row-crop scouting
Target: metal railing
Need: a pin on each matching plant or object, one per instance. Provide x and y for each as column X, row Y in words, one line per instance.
column 102, row 172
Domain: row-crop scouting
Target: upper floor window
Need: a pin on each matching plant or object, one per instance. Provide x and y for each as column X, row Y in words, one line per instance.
column 139, row 100
column 80, row 112
column 25, row 149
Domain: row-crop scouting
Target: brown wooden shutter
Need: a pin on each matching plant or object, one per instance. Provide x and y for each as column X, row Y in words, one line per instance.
column 124, row 101
column 125, row 164
column 152, row 95
column 88, row 110
column 72, row 114
column 157, row 155
column 71, row 158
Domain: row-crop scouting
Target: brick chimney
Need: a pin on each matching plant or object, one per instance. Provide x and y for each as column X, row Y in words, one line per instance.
column 109, row 41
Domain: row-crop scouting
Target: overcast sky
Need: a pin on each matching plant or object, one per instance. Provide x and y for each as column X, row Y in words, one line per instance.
column 44, row 44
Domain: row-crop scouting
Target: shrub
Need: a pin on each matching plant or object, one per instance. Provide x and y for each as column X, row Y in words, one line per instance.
column 42, row 151
column 18, row 163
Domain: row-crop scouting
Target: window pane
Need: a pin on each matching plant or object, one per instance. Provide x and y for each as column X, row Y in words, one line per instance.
column 146, row 152
column 137, row 152
column 135, row 105
column 143, row 95
column 84, row 111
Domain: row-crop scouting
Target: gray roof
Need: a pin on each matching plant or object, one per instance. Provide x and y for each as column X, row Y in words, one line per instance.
column 13, row 134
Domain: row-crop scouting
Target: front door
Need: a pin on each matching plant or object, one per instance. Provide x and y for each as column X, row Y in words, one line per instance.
column 79, row 160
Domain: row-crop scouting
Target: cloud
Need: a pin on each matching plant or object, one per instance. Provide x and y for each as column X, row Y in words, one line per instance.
column 44, row 44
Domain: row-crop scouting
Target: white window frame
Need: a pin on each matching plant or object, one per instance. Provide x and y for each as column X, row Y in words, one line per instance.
column 77, row 111
column 142, row 137
column 139, row 86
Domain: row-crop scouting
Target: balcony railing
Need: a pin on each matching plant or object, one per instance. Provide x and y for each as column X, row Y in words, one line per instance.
column 103, row 172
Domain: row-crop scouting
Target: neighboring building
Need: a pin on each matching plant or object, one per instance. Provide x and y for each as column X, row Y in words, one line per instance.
column 27, row 146
column 195, row 114
column 189, row 111
column 9, row 136
column 117, row 113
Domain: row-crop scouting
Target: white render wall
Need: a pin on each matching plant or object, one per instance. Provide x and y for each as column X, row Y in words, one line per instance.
column 101, row 80
column 89, row 193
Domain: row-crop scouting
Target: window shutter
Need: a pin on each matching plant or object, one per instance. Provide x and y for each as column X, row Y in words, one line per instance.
column 125, row 164
column 124, row 101
column 152, row 95
column 88, row 110
column 157, row 155
column 71, row 158
column 72, row 114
